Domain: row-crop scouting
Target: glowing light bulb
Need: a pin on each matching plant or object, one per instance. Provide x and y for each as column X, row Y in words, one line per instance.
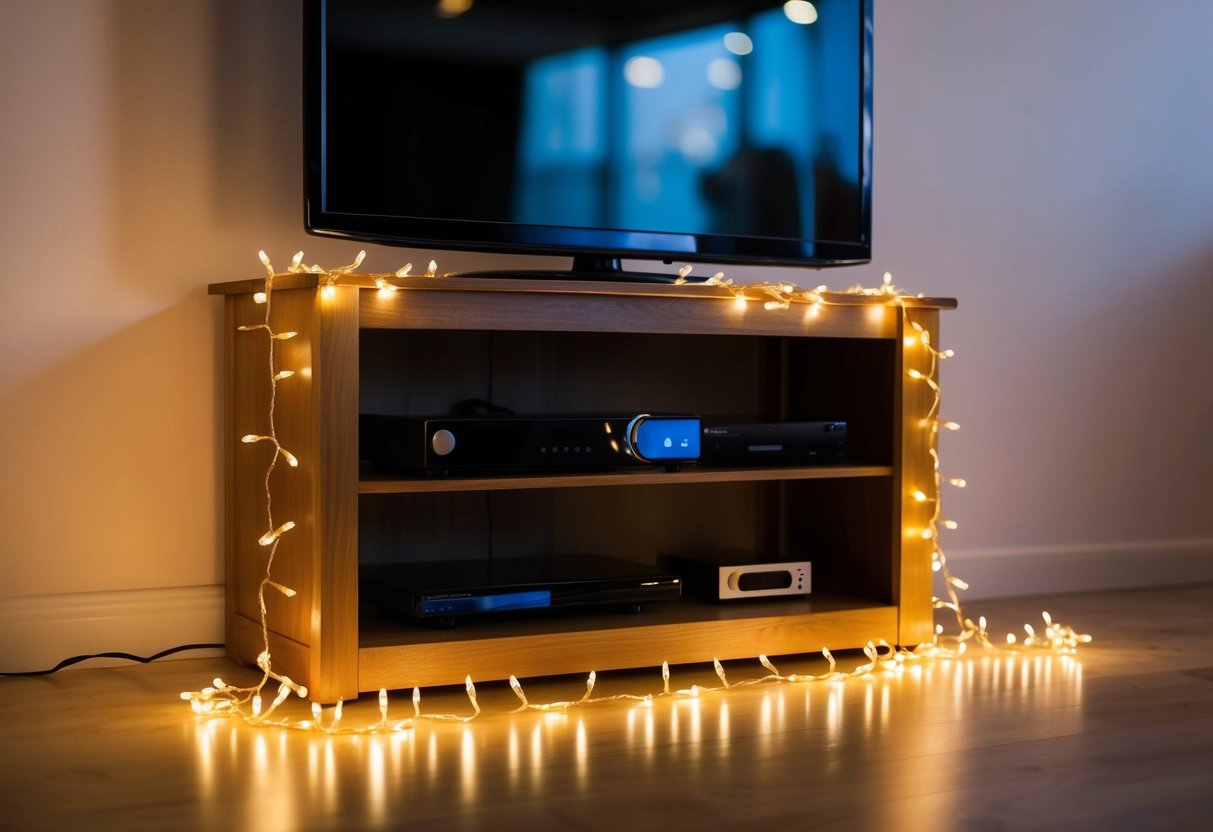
column 259, row 297
column 284, row 374
column 804, row 13
column 283, row 336
column 958, row 482
column 914, row 374
column 920, row 496
column 720, row 672
column 432, row 269
column 289, row 457
column 269, row 537
column 328, row 292
column 739, row 302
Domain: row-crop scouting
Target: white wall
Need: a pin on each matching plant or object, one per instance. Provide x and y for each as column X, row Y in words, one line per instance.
column 1051, row 165
column 1047, row 163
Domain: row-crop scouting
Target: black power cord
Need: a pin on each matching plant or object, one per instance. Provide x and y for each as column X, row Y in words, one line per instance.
column 127, row 656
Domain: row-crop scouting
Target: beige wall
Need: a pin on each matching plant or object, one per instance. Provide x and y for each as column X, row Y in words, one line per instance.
column 1047, row 163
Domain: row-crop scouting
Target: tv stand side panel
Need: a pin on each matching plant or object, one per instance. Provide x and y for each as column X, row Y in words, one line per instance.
column 313, row 636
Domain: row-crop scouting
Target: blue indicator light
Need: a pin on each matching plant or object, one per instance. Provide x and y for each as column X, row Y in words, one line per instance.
column 667, row 439
column 488, row 603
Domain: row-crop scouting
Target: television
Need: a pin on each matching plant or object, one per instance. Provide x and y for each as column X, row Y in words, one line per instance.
column 688, row 131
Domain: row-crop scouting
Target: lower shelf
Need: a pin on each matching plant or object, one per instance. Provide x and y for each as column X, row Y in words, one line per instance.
column 393, row 655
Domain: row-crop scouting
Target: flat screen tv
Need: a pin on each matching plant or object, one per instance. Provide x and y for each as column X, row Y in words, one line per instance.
column 696, row 131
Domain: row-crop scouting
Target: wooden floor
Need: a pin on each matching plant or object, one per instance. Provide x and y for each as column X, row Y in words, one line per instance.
column 1121, row 738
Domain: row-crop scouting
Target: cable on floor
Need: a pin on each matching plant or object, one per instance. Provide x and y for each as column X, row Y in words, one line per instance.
column 127, row 656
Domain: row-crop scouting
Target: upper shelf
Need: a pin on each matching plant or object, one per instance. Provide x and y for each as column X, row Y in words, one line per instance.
column 601, row 306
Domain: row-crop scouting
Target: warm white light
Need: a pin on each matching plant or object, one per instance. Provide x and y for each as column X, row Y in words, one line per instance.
column 269, row 537
column 738, row 43
column 453, row 8
column 644, row 72
column 285, row 590
column 259, row 297
column 800, row 11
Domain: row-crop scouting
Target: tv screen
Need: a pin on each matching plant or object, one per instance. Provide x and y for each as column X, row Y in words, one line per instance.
column 688, row 130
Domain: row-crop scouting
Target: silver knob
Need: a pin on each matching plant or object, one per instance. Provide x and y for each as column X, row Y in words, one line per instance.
column 443, row 442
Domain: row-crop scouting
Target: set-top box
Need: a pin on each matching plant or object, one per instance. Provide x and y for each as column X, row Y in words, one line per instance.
column 443, row 444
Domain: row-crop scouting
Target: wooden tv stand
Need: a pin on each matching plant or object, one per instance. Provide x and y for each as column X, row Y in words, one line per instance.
column 554, row 346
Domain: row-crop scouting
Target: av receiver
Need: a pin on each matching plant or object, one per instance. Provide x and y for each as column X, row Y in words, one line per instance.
column 450, row 444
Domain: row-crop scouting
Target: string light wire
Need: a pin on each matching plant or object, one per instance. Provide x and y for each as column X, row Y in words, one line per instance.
column 246, row 703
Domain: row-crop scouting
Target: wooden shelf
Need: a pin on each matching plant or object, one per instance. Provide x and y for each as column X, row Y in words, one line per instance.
column 691, row 474
column 570, row 347
column 393, row 654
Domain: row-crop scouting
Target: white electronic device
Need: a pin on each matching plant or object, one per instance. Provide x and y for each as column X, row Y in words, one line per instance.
column 729, row 575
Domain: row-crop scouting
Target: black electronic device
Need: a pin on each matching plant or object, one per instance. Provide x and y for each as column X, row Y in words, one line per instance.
column 519, row 443
column 737, row 131
column 731, row 574
column 442, row 589
column 773, row 443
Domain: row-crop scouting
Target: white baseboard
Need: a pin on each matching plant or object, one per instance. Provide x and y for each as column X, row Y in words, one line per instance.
column 1043, row 570
column 37, row 632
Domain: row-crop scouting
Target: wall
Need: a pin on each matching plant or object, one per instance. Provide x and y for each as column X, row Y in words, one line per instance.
column 1046, row 163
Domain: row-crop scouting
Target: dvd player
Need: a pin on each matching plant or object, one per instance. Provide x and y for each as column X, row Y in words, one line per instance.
column 439, row 589
column 445, row 444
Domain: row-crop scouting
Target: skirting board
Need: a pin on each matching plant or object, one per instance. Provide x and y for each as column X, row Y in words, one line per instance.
column 37, row 632
column 1044, row 570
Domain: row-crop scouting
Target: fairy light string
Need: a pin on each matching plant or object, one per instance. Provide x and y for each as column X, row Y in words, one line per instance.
column 247, row 703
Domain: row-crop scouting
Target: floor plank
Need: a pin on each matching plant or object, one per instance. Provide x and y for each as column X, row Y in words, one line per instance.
column 1119, row 738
